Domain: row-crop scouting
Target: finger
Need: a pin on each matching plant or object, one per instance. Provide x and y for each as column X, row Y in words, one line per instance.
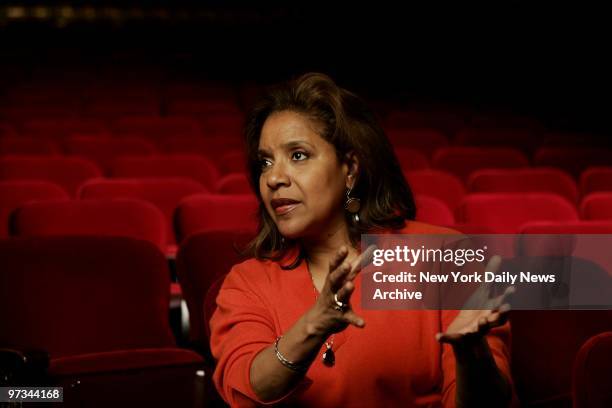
column 502, row 314
column 363, row 260
column 352, row 318
column 494, row 263
column 483, row 325
column 449, row 338
column 337, row 277
column 338, row 258
column 344, row 294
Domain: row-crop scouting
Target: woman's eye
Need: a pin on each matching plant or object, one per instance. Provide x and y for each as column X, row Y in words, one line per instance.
column 299, row 156
column 263, row 163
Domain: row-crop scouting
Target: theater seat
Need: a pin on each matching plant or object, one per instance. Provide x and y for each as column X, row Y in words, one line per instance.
column 596, row 179
column 14, row 194
column 68, row 172
column 597, row 206
column 411, row 159
column 111, row 217
column 462, row 161
column 105, row 150
column 153, row 127
column 433, row 211
column 505, row 213
column 549, row 180
column 544, row 347
column 234, row 161
column 99, row 307
column 165, row 194
column 27, row 146
column 234, row 183
column 438, row 184
column 592, row 375
column 215, row 211
column 67, row 295
column 422, row 139
column 573, row 160
column 210, row 147
column 524, row 139
column 576, row 227
column 195, row 167
column 203, row 258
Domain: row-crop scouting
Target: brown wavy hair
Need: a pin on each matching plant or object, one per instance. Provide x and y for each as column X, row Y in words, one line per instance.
column 350, row 126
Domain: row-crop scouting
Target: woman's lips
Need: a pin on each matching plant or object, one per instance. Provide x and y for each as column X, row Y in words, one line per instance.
column 283, row 205
column 284, row 209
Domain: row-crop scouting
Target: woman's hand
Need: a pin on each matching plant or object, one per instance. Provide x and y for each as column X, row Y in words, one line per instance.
column 473, row 324
column 327, row 316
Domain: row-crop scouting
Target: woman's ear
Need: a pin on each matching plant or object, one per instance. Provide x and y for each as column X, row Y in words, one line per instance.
column 352, row 163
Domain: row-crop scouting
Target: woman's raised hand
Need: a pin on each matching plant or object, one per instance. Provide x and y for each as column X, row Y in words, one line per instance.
column 332, row 312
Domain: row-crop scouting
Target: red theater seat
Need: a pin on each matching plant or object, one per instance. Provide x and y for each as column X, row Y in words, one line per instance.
column 438, row 184
column 232, row 162
column 424, row 140
column 14, row 194
column 105, row 150
column 596, row 179
column 96, row 305
column 61, row 128
column 27, row 146
column 592, row 375
column 215, row 211
column 433, row 211
column 524, row 139
column 165, row 194
column 411, row 159
column 576, row 227
column 234, row 183
column 574, row 160
column 191, row 166
column 505, row 213
column 120, row 105
column 597, row 206
column 158, row 126
column 445, row 121
column 211, row 147
column 548, row 180
column 544, row 346
column 68, row 172
column 119, row 217
column 210, row 303
column 462, row 161
column 227, row 125
column 46, row 278
column 7, row 130
column 202, row 259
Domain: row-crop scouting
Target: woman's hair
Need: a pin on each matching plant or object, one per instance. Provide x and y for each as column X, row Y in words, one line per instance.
column 350, row 126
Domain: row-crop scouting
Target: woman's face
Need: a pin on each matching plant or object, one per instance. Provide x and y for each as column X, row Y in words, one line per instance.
column 302, row 183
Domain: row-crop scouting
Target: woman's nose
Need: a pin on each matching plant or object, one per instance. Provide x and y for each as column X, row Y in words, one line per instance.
column 277, row 176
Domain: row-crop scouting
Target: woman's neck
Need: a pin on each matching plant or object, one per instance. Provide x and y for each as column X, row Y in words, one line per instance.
column 319, row 252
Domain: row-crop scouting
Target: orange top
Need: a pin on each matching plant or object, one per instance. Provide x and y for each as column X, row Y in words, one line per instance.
column 394, row 360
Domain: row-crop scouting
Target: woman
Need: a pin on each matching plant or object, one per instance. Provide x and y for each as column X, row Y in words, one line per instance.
column 289, row 327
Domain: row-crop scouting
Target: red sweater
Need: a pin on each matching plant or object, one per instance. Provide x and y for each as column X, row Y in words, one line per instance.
column 393, row 361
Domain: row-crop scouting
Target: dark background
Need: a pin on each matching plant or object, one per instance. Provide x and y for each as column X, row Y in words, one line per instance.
column 545, row 60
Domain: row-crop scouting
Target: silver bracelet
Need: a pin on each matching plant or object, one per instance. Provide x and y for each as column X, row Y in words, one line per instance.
column 299, row 367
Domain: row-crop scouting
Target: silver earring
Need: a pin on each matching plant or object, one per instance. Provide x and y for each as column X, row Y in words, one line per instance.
column 352, row 204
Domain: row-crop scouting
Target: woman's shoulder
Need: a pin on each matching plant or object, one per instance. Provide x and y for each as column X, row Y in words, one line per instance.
column 417, row 227
column 254, row 272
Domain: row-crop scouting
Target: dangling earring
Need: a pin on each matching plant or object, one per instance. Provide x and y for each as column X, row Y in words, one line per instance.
column 352, row 204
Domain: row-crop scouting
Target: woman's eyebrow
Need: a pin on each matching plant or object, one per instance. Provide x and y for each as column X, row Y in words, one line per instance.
column 296, row 143
column 287, row 146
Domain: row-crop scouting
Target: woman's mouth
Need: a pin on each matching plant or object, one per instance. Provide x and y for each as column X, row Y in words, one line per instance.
column 282, row 206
